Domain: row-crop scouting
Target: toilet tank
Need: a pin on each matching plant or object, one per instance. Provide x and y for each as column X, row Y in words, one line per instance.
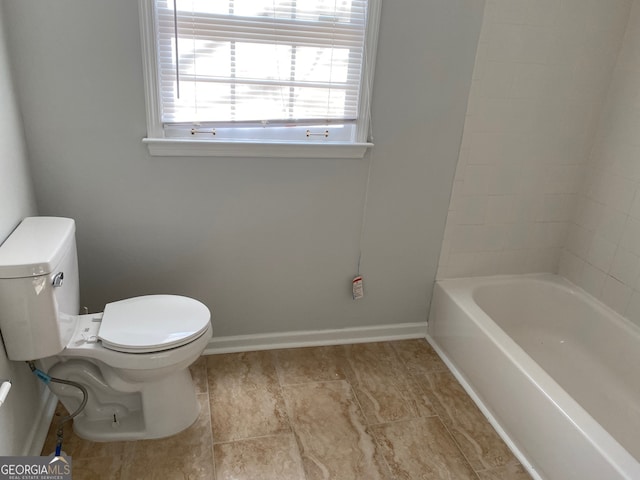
column 39, row 289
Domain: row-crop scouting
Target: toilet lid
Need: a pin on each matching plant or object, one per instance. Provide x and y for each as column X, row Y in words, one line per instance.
column 152, row 323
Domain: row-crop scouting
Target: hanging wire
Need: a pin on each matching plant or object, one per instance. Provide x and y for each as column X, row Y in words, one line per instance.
column 194, row 66
column 333, row 49
column 283, row 104
column 368, row 85
column 364, row 209
column 175, row 31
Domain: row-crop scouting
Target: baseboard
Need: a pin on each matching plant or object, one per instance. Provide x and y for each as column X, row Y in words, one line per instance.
column 271, row 341
column 42, row 420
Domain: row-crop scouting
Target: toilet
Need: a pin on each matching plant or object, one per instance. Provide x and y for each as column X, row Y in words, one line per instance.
column 133, row 358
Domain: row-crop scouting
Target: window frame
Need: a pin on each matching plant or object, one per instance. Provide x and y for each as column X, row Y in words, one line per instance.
column 159, row 145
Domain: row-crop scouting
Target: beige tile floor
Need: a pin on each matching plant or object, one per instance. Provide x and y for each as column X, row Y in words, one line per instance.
column 372, row 411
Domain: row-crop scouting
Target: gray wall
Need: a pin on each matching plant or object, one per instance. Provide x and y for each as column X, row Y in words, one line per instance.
column 26, row 398
column 269, row 244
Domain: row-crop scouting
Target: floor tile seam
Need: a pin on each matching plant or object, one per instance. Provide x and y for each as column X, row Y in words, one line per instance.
column 431, row 396
column 443, row 370
column 275, row 360
column 450, row 423
column 410, row 403
column 401, row 360
column 455, row 442
column 357, row 404
column 380, row 446
column 206, row 375
column 296, row 439
column 311, row 382
column 126, row 475
column 151, row 455
column 136, row 443
column 213, row 460
column 480, row 460
column 287, row 411
column 281, row 375
column 368, row 424
column 410, row 397
column 262, row 386
column 209, row 416
column 395, row 344
column 402, row 380
column 256, row 437
column 300, row 450
column 98, row 457
column 419, row 379
column 491, row 469
column 124, row 449
column 411, row 419
column 127, row 466
column 435, row 400
column 369, row 430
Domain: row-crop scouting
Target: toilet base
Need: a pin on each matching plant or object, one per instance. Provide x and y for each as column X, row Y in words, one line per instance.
column 120, row 410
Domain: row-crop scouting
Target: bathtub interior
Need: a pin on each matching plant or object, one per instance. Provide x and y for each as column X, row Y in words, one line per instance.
column 588, row 349
column 552, row 435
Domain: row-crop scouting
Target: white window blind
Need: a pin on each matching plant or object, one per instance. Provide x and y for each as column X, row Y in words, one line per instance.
column 259, row 63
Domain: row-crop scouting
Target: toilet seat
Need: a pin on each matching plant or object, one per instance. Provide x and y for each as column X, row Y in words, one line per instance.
column 152, row 323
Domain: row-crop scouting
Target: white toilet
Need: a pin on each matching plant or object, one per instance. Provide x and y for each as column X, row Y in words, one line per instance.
column 133, row 359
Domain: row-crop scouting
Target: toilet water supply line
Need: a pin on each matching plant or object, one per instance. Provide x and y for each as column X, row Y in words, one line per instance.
column 85, row 395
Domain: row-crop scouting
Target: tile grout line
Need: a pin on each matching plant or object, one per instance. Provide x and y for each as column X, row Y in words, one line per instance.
column 299, row 384
column 394, row 345
column 258, row 437
column 287, row 410
column 453, row 422
column 413, row 409
column 414, row 377
column 455, row 442
column 374, row 437
column 206, row 384
column 410, row 376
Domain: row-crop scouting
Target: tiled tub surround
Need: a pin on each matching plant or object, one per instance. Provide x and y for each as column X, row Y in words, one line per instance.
column 556, row 369
column 548, row 177
column 369, row 411
column 602, row 252
column 541, row 75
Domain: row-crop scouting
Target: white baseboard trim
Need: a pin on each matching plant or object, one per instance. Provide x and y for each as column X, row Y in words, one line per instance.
column 315, row 338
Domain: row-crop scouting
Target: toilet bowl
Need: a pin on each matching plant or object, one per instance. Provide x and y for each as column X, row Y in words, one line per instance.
column 133, row 359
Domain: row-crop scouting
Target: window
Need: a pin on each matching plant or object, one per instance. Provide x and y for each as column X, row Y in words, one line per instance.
column 258, row 77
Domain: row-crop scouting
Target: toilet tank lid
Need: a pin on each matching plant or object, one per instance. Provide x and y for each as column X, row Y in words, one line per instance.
column 36, row 246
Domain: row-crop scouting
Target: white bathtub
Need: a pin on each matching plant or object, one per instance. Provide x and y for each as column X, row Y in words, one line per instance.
column 556, row 372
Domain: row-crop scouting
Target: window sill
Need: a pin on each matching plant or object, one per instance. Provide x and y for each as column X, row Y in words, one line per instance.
column 175, row 147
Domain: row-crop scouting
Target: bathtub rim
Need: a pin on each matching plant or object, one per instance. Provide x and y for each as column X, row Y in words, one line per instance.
column 461, row 292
